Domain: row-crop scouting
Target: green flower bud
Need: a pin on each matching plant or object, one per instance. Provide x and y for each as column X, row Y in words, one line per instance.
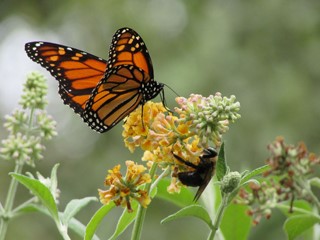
column 34, row 92
column 230, row 182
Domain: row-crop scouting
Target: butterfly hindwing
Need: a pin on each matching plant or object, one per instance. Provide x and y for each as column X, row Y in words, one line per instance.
column 118, row 94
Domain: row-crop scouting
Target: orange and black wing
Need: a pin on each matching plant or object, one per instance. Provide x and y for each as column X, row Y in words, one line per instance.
column 78, row 72
column 115, row 97
column 128, row 82
column 102, row 92
column 128, row 48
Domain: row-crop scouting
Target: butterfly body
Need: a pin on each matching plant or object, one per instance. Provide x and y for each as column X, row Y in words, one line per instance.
column 201, row 174
column 102, row 92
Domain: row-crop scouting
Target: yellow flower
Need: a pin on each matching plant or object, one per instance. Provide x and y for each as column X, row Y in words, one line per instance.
column 135, row 130
column 122, row 189
column 113, row 175
column 174, row 186
column 134, row 174
column 144, row 198
column 106, row 196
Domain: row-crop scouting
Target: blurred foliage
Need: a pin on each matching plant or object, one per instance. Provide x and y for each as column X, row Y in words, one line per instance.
column 264, row 52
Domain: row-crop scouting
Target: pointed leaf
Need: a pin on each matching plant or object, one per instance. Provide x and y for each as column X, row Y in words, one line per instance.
column 235, row 223
column 296, row 225
column 125, row 220
column 80, row 229
column 299, row 207
column 53, row 177
column 31, row 207
column 254, row 173
column 235, row 192
column 41, row 191
column 182, row 199
column 96, row 220
column 191, row 211
column 74, row 206
column 221, row 168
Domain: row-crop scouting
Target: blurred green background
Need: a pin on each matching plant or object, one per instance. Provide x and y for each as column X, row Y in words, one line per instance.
column 266, row 53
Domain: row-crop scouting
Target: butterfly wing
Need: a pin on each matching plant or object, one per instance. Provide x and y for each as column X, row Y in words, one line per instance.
column 128, row 82
column 128, row 48
column 102, row 92
column 78, row 72
column 115, row 97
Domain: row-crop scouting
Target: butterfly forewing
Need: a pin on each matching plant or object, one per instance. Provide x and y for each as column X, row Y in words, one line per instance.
column 128, row 48
column 78, row 72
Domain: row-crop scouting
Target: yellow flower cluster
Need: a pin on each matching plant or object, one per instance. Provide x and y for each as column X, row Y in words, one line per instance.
column 122, row 189
column 161, row 134
column 197, row 123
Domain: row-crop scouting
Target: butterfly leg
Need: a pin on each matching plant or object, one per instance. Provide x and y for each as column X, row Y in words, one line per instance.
column 142, row 116
column 163, row 100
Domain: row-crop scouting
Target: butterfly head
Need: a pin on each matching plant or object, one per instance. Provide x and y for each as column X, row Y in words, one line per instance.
column 151, row 89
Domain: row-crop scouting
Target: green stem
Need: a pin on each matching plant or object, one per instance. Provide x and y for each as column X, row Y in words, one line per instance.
column 315, row 200
column 7, row 211
column 17, row 209
column 9, row 201
column 30, row 121
column 162, row 175
column 141, row 212
column 219, row 215
column 304, row 185
column 137, row 228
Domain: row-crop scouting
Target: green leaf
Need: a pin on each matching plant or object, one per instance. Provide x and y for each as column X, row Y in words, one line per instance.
column 235, row 223
column 254, row 173
column 79, row 228
column 296, row 225
column 299, row 207
column 96, row 220
column 125, row 220
column 53, row 177
column 233, row 194
column 236, row 191
column 221, row 168
column 191, row 211
column 28, row 208
column 182, row 199
column 41, row 191
column 74, row 206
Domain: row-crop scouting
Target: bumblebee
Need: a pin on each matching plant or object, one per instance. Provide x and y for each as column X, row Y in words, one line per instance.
column 201, row 174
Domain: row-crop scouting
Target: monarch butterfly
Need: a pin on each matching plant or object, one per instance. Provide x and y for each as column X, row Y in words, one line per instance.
column 102, row 92
column 202, row 173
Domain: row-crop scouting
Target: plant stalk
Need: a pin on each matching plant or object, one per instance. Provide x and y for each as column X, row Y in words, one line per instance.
column 141, row 212
column 219, row 215
column 9, row 201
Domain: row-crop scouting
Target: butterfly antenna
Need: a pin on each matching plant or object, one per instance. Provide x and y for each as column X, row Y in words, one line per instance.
column 171, row 89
